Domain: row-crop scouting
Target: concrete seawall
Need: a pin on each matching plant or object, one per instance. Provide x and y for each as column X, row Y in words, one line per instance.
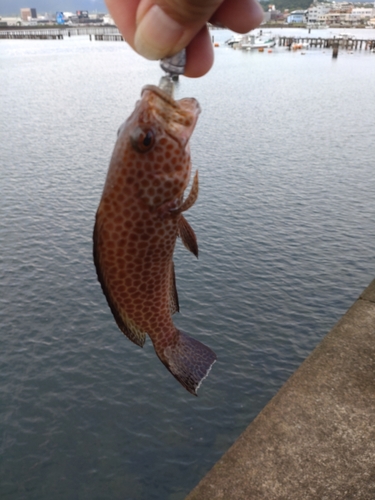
column 316, row 438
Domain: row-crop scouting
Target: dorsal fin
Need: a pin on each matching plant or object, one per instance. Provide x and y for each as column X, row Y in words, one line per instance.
column 187, row 235
column 126, row 326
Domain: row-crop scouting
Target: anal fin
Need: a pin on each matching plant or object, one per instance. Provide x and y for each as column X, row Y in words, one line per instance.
column 129, row 329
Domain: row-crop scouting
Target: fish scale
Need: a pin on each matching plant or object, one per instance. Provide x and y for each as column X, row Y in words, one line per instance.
column 137, row 223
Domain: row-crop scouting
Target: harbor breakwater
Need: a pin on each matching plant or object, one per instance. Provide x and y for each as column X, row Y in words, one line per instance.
column 316, row 438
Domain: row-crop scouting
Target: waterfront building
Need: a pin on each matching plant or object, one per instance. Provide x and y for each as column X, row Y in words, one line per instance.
column 359, row 14
column 28, row 13
column 316, row 11
column 338, row 15
column 297, row 16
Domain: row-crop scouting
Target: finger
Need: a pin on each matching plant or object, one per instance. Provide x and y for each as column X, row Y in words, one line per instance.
column 199, row 54
column 238, row 15
column 185, row 12
column 124, row 14
column 164, row 27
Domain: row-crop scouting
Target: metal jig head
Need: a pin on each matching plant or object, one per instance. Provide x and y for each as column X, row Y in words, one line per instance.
column 173, row 66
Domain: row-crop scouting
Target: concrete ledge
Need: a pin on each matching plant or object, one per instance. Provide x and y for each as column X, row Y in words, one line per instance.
column 316, row 438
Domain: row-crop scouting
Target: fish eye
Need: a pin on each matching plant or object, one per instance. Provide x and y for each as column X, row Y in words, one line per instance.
column 142, row 139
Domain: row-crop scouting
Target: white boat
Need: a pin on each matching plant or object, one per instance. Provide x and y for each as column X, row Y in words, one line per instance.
column 254, row 42
column 234, row 40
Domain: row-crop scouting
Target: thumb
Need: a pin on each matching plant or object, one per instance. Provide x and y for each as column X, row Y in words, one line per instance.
column 164, row 27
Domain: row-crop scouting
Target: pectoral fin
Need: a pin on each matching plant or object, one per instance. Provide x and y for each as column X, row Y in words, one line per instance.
column 175, row 207
column 192, row 196
column 187, row 235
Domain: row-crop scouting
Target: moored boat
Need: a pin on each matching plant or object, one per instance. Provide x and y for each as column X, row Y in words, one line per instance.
column 254, row 42
column 234, row 40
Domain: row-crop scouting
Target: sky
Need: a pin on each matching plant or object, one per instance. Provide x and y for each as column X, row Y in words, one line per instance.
column 12, row 7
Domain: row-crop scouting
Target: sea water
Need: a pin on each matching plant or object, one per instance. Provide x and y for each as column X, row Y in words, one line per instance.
column 285, row 223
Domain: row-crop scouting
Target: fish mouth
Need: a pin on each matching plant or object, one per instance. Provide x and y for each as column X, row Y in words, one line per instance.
column 160, row 93
column 178, row 118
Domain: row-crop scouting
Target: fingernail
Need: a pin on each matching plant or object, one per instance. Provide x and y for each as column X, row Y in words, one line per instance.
column 157, row 34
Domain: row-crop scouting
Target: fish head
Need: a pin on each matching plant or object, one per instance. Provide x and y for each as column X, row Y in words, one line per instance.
column 154, row 146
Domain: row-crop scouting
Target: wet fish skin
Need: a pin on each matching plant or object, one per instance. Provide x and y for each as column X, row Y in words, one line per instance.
column 137, row 223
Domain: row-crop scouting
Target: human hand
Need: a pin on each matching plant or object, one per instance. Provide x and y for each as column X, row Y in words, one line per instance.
column 161, row 28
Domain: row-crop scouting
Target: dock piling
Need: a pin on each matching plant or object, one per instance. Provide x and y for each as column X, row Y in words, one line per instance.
column 335, row 49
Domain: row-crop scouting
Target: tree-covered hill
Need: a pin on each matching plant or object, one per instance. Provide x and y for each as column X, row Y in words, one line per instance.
column 287, row 4
column 299, row 4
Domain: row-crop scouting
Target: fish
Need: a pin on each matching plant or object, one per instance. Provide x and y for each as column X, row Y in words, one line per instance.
column 138, row 220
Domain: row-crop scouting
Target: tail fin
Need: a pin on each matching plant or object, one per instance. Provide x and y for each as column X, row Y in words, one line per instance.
column 189, row 361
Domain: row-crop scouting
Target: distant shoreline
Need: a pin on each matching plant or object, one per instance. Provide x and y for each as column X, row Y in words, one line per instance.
column 262, row 26
column 304, row 26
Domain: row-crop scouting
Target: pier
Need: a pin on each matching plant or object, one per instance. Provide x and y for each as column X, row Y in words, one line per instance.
column 316, row 438
column 99, row 33
column 108, row 38
column 32, row 35
column 327, row 43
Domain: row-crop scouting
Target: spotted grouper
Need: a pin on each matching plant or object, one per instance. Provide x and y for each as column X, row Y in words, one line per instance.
column 137, row 223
